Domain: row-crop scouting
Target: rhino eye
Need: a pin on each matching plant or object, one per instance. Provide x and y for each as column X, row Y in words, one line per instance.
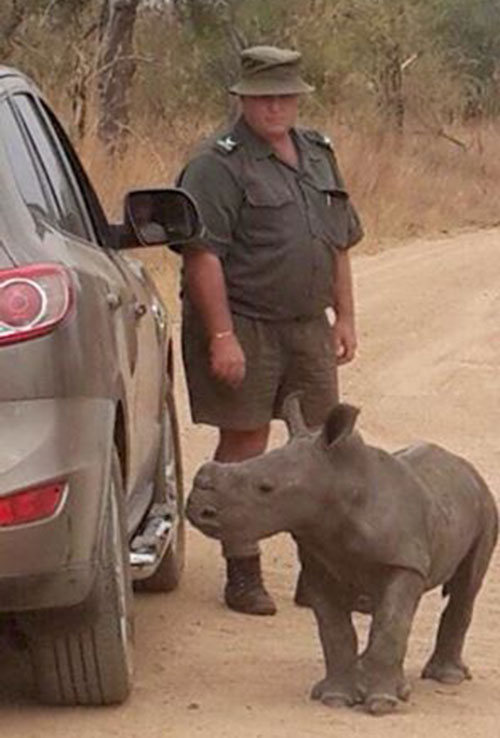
column 266, row 487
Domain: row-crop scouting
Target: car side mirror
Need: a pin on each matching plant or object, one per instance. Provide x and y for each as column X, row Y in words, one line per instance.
column 167, row 216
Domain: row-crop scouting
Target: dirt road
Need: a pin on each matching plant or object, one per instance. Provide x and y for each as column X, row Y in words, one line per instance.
column 428, row 366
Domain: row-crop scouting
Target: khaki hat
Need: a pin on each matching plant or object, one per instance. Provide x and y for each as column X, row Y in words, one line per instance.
column 267, row 70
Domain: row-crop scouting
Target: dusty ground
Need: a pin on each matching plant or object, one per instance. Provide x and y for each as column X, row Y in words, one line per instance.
column 428, row 367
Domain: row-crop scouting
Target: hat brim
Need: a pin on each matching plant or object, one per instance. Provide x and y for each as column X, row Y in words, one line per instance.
column 270, row 87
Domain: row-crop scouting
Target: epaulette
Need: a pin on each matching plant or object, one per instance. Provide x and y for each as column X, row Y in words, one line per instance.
column 226, row 144
column 318, row 138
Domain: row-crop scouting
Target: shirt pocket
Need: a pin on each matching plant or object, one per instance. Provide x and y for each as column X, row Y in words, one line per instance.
column 333, row 210
column 266, row 213
column 267, row 195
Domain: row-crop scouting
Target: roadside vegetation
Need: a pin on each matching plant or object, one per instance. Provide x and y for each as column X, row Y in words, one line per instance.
column 408, row 90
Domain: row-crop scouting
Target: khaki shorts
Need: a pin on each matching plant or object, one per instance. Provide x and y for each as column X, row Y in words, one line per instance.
column 281, row 357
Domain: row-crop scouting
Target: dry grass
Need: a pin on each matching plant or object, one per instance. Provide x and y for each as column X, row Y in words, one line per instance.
column 422, row 183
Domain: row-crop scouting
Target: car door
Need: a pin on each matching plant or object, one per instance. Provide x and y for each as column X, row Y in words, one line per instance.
column 117, row 295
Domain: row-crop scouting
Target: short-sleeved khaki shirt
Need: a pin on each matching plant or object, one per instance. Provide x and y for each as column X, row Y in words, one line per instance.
column 275, row 228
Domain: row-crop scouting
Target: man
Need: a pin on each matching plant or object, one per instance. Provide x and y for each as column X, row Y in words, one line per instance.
column 258, row 285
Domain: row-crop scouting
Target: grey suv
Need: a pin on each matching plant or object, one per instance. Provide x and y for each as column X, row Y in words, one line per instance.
column 90, row 465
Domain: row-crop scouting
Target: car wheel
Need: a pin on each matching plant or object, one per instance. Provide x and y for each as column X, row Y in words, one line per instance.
column 169, row 490
column 83, row 655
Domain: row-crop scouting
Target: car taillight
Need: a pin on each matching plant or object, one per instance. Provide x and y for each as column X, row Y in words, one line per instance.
column 30, row 505
column 34, row 299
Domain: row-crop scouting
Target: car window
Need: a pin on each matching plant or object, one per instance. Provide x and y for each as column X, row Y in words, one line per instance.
column 86, row 191
column 23, row 166
column 72, row 215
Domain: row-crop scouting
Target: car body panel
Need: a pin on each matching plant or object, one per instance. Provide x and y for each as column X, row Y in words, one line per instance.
column 113, row 370
column 61, row 394
column 5, row 260
column 39, row 449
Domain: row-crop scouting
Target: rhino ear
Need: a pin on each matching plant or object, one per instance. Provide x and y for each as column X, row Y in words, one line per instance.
column 340, row 423
column 292, row 415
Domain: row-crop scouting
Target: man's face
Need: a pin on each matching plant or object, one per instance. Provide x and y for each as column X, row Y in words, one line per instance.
column 270, row 116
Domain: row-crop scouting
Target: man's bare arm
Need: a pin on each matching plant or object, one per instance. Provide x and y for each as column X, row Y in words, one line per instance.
column 206, row 288
column 345, row 326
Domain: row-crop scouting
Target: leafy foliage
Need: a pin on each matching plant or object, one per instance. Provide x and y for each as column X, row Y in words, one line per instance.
column 376, row 60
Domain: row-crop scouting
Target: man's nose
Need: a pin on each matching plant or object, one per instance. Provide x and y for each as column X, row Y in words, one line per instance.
column 274, row 102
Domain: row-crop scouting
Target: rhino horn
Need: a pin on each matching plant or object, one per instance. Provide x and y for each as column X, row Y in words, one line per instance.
column 292, row 415
column 340, row 423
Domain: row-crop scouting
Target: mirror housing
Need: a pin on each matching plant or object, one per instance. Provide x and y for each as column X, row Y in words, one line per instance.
column 161, row 216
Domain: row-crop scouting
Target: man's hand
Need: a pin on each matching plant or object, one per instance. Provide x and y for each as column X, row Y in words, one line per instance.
column 344, row 330
column 345, row 341
column 227, row 360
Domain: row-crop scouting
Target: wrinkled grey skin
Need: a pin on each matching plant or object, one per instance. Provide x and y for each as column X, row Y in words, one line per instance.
column 374, row 531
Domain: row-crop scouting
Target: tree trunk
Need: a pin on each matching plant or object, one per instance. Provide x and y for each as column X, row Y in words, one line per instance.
column 391, row 83
column 9, row 24
column 116, row 68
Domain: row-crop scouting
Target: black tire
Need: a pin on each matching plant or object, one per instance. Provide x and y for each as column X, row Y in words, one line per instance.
column 169, row 488
column 83, row 655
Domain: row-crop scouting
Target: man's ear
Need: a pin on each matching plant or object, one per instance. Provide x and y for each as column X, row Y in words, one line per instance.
column 339, row 424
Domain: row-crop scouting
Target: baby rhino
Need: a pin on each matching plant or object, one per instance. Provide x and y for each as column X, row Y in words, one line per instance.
column 374, row 531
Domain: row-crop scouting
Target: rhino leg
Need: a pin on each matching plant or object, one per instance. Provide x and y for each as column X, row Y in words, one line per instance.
column 338, row 639
column 381, row 677
column 339, row 642
column 446, row 665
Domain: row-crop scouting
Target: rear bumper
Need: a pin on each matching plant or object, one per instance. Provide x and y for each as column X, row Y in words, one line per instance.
column 51, row 563
column 64, row 588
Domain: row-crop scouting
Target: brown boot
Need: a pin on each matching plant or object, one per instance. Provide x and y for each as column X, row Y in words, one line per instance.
column 245, row 590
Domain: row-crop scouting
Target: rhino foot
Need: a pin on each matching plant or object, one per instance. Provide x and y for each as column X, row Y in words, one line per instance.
column 404, row 690
column 380, row 693
column 381, row 704
column 446, row 671
column 332, row 693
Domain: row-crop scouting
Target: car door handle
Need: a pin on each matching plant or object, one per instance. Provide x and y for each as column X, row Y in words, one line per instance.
column 113, row 300
column 140, row 310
